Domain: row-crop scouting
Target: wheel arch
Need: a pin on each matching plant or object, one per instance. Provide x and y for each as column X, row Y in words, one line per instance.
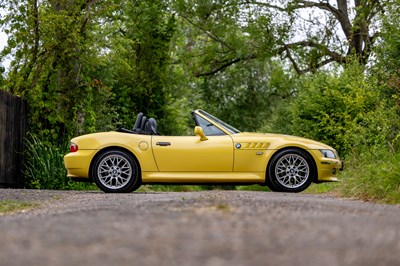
column 314, row 164
column 117, row 148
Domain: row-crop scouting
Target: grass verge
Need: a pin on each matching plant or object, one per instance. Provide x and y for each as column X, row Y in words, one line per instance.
column 9, row 206
column 372, row 176
column 323, row 188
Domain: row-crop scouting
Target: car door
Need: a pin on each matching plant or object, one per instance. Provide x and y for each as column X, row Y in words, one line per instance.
column 190, row 154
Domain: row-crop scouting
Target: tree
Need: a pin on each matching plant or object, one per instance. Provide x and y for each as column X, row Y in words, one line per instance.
column 308, row 33
column 50, row 43
column 323, row 40
column 247, row 93
column 141, row 34
column 218, row 36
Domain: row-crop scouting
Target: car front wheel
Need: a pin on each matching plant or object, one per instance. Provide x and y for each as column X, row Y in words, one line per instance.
column 116, row 171
column 291, row 171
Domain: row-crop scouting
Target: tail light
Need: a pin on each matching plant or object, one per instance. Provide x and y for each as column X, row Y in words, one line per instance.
column 73, row 147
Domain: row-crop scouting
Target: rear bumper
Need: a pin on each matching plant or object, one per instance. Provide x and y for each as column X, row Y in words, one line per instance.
column 78, row 163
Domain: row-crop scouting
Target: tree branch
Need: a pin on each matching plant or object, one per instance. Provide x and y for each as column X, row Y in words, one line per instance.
column 320, row 5
column 294, row 63
column 339, row 13
column 264, row 4
column 209, row 34
column 225, row 65
column 332, row 56
column 310, row 43
column 318, row 65
column 87, row 5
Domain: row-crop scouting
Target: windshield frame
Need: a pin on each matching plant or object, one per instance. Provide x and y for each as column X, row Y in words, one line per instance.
column 217, row 122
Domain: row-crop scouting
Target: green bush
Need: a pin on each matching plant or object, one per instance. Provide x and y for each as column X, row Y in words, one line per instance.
column 340, row 110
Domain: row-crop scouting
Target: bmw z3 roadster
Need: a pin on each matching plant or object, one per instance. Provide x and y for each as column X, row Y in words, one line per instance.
column 121, row 161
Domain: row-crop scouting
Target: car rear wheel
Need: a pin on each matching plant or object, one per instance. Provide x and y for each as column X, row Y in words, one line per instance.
column 290, row 171
column 116, row 171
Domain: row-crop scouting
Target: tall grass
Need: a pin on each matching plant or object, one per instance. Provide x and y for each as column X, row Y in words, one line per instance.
column 372, row 176
column 44, row 166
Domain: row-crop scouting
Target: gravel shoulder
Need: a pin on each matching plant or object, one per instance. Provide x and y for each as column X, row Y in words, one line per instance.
column 197, row 228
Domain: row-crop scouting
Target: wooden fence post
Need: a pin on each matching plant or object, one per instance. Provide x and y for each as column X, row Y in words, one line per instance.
column 12, row 139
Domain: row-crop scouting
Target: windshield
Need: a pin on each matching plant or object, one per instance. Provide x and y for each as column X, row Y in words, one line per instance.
column 226, row 126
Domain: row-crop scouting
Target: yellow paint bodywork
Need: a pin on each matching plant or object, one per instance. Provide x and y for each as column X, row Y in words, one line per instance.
column 78, row 163
column 190, row 154
column 230, row 158
column 258, row 149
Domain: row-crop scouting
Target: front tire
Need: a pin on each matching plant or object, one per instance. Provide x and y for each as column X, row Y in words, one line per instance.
column 116, row 171
column 290, row 171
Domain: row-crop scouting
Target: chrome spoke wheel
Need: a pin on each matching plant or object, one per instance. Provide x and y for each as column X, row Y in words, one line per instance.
column 292, row 171
column 114, row 171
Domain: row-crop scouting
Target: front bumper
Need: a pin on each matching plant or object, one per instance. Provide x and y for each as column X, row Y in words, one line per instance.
column 327, row 168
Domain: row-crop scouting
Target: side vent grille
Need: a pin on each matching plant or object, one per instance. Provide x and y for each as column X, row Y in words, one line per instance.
column 255, row 145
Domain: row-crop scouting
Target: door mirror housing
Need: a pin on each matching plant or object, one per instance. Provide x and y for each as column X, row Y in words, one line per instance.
column 198, row 131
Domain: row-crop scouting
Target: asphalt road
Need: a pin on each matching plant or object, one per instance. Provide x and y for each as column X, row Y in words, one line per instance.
column 198, row 228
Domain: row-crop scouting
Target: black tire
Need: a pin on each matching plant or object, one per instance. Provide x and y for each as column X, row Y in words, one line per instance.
column 116, row 171
column 290, row 170
column 137, row 185
column 270, row 185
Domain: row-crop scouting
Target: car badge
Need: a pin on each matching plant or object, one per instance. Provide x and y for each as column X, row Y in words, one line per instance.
column 238, row 145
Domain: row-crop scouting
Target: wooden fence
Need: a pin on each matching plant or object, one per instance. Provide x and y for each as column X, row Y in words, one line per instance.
column 12, row 135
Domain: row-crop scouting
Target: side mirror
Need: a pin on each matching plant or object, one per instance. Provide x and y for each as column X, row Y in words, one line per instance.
column 198, row 131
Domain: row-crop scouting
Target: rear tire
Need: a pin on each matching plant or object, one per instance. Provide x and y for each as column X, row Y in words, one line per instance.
column 116, row 171
column 290, row 171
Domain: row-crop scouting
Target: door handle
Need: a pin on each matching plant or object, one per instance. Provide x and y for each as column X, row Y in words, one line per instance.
column 163, row 143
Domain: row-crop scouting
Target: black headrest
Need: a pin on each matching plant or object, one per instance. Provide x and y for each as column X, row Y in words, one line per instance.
column 143, row 123
column 151, row 126
column 138, row 121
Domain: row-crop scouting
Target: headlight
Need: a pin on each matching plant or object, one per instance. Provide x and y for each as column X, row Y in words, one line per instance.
column 328, row 154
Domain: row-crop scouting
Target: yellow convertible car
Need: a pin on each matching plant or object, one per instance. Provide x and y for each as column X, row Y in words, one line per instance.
column 120, row 161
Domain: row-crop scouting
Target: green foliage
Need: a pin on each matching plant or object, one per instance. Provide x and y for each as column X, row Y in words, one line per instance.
column 139, row 61
column 246, row 94
column 253, row 188
column 372, row 171
column 388, row 52
column 340, row 110
column 44, row 167
column 50, row 43
column 86, row 66
column 219, row 34
column 386, row 71
column 372, row 176
column 323, row 188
